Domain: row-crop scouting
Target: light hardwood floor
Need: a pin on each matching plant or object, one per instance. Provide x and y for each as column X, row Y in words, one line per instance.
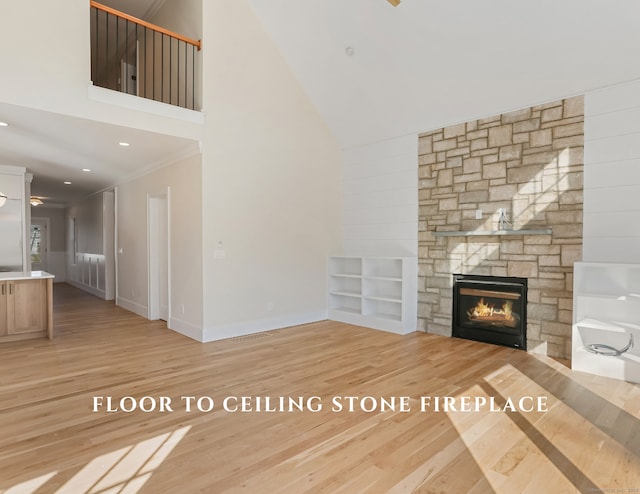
column 52, row 441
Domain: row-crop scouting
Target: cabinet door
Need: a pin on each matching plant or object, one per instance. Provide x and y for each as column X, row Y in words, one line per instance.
column 26, row 306
column 3, row 308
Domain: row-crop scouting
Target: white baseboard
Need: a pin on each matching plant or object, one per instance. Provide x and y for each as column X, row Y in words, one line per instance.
column 88, row 289
column 232, row 330
column 185, row 328
column 134, row 307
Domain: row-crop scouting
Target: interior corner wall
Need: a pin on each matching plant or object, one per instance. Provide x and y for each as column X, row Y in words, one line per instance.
column 272, row 197
column 380, row 184
column 181, row 183
column 612, row 174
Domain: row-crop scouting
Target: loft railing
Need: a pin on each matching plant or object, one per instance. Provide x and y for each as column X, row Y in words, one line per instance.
column 139, row 58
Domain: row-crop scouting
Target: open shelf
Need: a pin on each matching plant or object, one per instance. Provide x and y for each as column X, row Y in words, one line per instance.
column 375, row 292
column 385, row 299
column 348, row 310
column 345, row 293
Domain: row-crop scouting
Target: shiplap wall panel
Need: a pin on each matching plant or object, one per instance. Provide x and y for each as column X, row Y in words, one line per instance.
column 614, row 98
column 614, row 124
column 600, row 175
column 611, row 149
column 380, row 185
column 612, row 174
column 602, row 224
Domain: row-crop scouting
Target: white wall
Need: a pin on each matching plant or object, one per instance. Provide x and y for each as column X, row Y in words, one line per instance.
column 182, row 181
column 88, row 215
column 271, row 183
column 57, row 245
column 612, row 174
column 380, row 183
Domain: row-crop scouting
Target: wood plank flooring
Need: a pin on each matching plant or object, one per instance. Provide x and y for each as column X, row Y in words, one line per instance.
column 51, row 440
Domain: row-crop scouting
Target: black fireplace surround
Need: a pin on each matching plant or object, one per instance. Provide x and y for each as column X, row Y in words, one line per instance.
column 491, row 309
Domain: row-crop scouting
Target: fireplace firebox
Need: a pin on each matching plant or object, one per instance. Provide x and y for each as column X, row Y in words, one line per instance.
column 491, row 309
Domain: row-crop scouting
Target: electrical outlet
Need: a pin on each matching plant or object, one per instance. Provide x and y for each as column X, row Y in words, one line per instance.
column 478, row 214
column 269, row 306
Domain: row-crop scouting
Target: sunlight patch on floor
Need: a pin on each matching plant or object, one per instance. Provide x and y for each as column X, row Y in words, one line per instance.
column 30, row 486
column 124, row 471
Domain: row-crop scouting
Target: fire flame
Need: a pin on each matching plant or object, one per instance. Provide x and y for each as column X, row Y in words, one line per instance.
column 483, row 309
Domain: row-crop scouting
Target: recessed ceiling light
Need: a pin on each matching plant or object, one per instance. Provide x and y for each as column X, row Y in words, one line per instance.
column 124, row 144
column 4, row 124
column 86, row 169
column 67, row 183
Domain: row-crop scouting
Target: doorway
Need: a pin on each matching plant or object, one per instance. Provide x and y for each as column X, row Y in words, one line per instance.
column 158, row 249
column 39, row 244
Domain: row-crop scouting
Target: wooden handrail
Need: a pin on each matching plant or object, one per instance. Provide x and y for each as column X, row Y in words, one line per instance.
column 159, row 29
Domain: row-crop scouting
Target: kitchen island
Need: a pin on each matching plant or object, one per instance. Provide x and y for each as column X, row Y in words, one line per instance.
column 26, row 305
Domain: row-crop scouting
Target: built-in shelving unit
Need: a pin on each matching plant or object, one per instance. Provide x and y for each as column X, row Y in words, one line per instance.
column 606, row 311
column 478, row 233
column 376, row 292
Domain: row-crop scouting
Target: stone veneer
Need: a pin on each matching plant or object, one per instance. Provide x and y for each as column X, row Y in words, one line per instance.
column 530, row 162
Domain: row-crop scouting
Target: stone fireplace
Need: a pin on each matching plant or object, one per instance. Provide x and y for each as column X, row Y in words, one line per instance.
column 526, row 167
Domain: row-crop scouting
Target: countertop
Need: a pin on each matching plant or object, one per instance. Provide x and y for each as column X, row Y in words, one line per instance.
column 25, row 275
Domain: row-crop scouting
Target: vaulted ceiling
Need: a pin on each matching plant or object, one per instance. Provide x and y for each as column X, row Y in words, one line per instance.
column 375, row 72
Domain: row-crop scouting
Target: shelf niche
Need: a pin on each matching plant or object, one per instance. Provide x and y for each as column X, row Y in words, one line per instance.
column 375, row 292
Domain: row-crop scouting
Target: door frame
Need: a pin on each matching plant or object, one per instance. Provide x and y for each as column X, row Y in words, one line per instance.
column 47, row 246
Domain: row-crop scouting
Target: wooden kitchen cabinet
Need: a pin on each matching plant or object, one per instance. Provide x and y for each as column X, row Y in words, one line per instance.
column 3, row 308
column 26, row 308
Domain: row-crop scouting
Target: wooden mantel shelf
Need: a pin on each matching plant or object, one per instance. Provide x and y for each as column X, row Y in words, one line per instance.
column 478, row 233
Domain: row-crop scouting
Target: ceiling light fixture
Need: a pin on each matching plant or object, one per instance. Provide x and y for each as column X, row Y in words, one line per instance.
column 4, row 124
column 3, row 199
column 35, row 201
column 86, row 169
column 67, row 183
column 124, row 144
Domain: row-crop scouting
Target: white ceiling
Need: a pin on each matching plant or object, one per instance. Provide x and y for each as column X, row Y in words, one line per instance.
column 418, row 66
column 55, row 148
column 429, row 63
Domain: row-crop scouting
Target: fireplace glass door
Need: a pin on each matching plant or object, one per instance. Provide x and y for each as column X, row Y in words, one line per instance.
column 490, row 309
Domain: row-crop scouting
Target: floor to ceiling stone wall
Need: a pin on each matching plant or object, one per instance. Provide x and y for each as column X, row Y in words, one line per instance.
column 529, row 162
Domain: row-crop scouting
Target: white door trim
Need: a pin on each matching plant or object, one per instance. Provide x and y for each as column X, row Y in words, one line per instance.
column 47, row 246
